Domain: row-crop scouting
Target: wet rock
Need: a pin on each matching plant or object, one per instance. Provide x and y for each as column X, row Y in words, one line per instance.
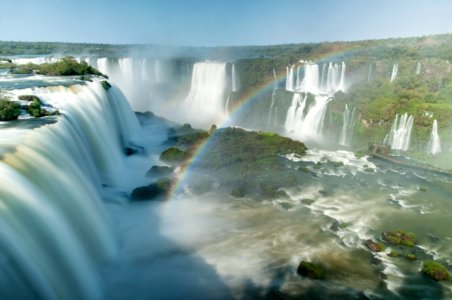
column 411, row 257
column 400, row 237
column 375, row 246
column 174, row 156
column 435, row 270
column 152, row 191
column 29, row 98
column 311, row 270
column 394, row 253
column 131, row 150
column 159, row 171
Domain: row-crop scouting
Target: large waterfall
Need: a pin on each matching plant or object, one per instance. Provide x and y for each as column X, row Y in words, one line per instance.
column 234, row 79
column 205, row 103
column 434, row 144
column 134, row 76
column 400, row 134
column 54, row 233
column 304, row 121
column 327, row 78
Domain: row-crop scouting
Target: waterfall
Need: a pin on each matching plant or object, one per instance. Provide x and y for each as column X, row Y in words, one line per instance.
column 418, row 68
column 400, row 134
column 369, row 73
column 306, row 125
column 134, row 76
column 309, row 78
column 395, row 70
column 204, row 104
column 434, row 144
column 54, row 232
column 234, row 79
column 348, row 123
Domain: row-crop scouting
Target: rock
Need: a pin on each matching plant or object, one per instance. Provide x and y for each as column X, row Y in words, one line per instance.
column 174, row 156
column 159, row 171
column 400, row 237
column 375, row 246
column 411, row 257
column 105, row 84
column 435, row 271
column 311, row 270
column 154, row 190
column 393, row 253
column 29, row 98
column 131, row 150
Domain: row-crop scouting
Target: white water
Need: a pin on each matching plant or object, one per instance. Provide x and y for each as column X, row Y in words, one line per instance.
column 234, row 79
column 395, row 71
column 418, row 68
column 434, row 144
column 348, row 123
column 134, row 76
column 205, row 102
column 54, row 233
column 400, row 134
column 308, row 125
column 329, row 80
column 35, row 60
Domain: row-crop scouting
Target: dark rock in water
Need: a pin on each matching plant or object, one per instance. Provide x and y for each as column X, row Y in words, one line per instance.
column 159, row 171
column 131, row 150
column 311, row 270
column 435, row 270
column 105, row 84
column 375, row 246
column 155, row 190
column 307, row 201
column 174, row 156
column 433, row 238
column 375, row 261
column 29, row 98
column 383, row 276
column 271, row 191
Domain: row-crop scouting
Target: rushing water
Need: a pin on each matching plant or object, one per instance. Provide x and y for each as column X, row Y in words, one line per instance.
column 434, row 144
column 69, row 231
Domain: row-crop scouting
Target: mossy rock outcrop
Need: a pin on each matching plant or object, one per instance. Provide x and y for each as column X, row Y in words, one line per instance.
column 159, row 171
column 153, row 191
column 375, row 246
column 311, row 270
column 174, row 156
column 9, row 110
column 435, row 270
column 29, row 98
column 400, row 237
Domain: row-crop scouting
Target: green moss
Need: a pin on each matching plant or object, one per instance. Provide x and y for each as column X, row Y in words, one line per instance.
column 394, row 253
column 9, row 110
column 105, row 84
column 29, row 98
column 435, row 270
column 400, row 237
column 154, row 190
column 34, row 109
column 311, row 270
column 174, row 156
column 375, row 246
column 411, row 257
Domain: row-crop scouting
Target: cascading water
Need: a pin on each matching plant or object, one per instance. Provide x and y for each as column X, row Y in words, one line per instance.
column 205, row 103
column 348, row 123
column 234, row 81
column 418, row 68
column 323, row 84
column 395, row 71
column 134, row 76
column 370, row 72
column 54, row 233
column 400, row 134
column 434, row 144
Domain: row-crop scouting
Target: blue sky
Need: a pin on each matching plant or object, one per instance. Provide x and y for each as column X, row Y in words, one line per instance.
column 215, row 22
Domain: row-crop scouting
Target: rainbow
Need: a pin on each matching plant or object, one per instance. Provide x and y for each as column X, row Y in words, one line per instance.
column 239, row 105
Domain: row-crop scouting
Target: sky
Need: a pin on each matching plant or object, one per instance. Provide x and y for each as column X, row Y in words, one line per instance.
column 220, row 22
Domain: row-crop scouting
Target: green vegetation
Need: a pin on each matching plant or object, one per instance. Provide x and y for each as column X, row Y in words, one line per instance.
column 66, row 67
column 375, row 246
column 8, row 110
column 159, row 171
column 400, row 237
column 34, row 109
column 174, row 156
column 435, row 270
column 186, row 136
column 311, row 270
column 29, row 98
column 105, row 84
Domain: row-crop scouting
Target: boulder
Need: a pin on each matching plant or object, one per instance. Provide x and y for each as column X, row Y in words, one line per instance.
column 159, row 171
column 311, row 270
column 435, row 270
column 153, row 191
